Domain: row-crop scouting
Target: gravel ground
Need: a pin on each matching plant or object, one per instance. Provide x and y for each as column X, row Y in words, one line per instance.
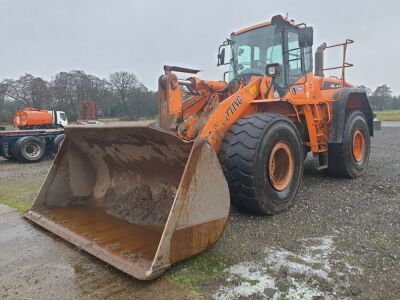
column 349, row 229
column 340, row 241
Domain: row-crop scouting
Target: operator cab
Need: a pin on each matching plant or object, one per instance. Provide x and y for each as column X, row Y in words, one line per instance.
column 62, row 119
column 59, row 118
column 277, row 42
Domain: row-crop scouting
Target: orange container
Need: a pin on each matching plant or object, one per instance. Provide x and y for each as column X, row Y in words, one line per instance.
column 32, row 118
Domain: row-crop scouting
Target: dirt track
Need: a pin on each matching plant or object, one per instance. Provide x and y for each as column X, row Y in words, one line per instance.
column 341, row 240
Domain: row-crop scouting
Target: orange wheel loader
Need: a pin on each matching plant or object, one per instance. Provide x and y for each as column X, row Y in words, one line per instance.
column 144, row 197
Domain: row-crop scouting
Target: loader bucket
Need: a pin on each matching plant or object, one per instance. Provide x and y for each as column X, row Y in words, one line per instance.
column 138, row 198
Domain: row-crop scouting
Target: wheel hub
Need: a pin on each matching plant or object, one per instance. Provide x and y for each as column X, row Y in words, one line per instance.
column 32, row 150
column 281, row 166
column 358, row 145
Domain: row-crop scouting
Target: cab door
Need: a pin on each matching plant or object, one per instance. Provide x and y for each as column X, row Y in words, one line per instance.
column 298, row 66
column 62, row 118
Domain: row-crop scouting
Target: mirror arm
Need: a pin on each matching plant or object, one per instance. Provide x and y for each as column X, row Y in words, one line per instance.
column 226, row 72
column 270, row 87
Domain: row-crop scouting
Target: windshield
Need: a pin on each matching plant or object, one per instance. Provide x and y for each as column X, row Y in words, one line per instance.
column 253, row 50
column 63, row 116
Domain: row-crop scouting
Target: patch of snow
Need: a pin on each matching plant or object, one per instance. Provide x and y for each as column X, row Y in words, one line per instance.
column 254, row 281
column 313, row 264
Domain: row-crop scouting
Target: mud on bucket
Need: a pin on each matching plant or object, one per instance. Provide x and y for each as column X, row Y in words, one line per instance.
column 136, row 197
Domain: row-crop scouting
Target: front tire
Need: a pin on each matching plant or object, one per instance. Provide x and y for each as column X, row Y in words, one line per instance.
column 262, row 159
column 350, row 158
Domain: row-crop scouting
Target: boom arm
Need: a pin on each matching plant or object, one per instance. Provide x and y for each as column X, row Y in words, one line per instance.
column 210, row 111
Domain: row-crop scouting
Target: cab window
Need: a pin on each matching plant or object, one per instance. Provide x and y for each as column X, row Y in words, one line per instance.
column 275, row 56
column 294, row 58
column 308, row 65
column 244, row 58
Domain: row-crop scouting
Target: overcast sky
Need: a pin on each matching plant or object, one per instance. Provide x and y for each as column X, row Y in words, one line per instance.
column 44, row 37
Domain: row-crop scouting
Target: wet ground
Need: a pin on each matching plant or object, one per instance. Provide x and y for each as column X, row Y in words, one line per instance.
column 340, row 241
column 37, row 265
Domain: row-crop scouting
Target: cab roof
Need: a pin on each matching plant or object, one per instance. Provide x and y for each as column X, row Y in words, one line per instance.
column 263, row 24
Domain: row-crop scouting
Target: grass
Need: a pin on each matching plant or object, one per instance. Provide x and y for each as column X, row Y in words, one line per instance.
column 199, row 269
column 20, row 193
column 388, row 115
column 108, row 120
column 112, row 120
column 253, row 282
column 7, row 126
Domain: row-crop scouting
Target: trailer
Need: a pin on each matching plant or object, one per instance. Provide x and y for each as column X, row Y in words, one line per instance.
column 29, row 146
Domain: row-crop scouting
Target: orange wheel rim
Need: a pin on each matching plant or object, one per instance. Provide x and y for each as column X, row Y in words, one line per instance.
column 358, row 145
column 281, row 166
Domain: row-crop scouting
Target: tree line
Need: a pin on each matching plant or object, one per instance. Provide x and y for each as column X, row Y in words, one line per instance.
column 381, row 98
column 121, row 95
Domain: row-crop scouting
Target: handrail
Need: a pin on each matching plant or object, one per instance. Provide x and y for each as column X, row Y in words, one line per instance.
column 344, row 63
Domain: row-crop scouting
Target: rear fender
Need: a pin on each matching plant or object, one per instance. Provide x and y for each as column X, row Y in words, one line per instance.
column 349, row 99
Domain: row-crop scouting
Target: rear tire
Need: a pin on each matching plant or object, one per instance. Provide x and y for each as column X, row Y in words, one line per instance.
column 262, row 159
column 29, row 149
column 11, row 157
column 57, row 142
column 350, row 158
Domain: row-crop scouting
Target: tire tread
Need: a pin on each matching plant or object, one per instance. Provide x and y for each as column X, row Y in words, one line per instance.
column 337, row 163
column 237, row 157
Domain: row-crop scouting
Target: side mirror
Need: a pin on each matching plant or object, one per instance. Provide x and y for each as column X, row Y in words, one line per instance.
column 221, row 57
column 306, row 37
column 273, row 70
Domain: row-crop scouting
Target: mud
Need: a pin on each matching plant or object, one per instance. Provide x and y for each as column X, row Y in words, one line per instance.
column 135, row 170
column 115, row 236
column 142, row 205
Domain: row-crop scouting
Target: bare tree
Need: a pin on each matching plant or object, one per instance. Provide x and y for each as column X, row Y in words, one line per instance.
column 70, row 89
column 380, row 96
column 62, row 92
column 367, row 90
column 28, row 90
column 123, row 94
column 3, row 90
column 124, row 83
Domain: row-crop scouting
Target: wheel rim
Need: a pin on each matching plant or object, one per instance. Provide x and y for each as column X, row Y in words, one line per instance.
column 358, row 145
column 281, row 166
column 32, row 150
